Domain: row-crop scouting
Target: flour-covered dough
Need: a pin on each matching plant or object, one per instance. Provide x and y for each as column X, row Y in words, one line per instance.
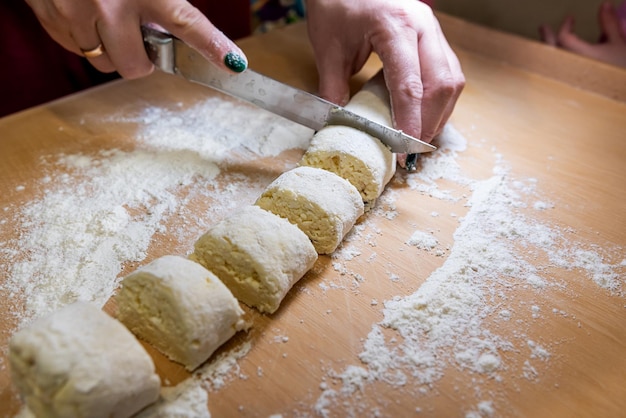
column 80, row 362
column 322, row 204
column 180, row 308
column 258, row 256
column 352, row 154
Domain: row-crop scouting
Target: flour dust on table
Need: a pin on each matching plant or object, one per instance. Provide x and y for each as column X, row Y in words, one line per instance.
column 98, row 213
column 95, row 215
column 451, row 321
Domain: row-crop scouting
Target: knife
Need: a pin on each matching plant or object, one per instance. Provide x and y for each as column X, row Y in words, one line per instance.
column 173, row 56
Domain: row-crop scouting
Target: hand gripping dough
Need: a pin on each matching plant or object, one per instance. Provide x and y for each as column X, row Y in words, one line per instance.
column 354, row 155
column 257, row 254
column 322, row 204
column 180, row 308
column 80, row 362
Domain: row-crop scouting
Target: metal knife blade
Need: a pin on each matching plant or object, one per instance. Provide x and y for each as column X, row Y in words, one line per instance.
column 173, row 56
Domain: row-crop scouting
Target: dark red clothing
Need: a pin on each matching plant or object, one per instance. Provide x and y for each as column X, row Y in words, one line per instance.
column 34, row 69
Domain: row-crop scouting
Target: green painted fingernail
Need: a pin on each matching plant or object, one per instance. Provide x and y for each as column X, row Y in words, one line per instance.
column 235, row 62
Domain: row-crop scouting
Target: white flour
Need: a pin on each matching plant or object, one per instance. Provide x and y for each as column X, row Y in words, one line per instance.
column 444, row 323
column 75, row 240
column 186, row 400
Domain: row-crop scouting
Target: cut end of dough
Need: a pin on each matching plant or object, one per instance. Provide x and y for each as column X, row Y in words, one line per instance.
column 80, row 362
column 353, row 155
column 322, row 204
column 180, row 308
column 257, row 255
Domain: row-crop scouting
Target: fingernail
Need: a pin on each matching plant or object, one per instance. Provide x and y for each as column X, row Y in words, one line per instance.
column 235, row 62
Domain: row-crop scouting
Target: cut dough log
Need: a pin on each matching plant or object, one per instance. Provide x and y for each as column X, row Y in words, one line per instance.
column 354, row 155
column 322, row 204
column 180, row 308
column 80, row 362
column 258, row 256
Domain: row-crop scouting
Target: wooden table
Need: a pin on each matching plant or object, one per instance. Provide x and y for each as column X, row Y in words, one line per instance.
column 548, row 115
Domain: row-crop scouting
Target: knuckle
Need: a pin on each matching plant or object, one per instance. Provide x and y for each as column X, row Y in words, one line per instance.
column 411, row 88
column 184, row 16
column 448, row 86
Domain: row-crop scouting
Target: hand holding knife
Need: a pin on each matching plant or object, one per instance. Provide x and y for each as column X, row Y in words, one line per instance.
column 173, row 56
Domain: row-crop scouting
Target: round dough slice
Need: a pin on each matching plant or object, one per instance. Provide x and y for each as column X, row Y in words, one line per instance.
column 258, row 256
column 180, row 308
column 80, row 362
column 322, row 204
column 352, row 154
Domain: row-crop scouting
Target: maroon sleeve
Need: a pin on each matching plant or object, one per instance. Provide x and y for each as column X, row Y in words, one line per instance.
column 35, row 69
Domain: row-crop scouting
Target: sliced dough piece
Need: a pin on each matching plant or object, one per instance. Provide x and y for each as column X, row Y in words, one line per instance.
column 80, row 362
column 180, row 308
column 354, row 155
column 257, row 254
column 322, row 204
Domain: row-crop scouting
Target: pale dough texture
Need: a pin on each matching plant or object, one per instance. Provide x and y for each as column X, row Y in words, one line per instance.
column 80, row 362
column 354, row 155
column 258, row 256
column 180, row 308
column 322, row 204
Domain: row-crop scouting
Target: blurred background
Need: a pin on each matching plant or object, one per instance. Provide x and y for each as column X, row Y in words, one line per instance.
column 524, row 17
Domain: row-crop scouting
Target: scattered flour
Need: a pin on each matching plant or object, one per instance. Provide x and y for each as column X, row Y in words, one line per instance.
column 75, row 240
column 186, row 400
column 220, row 370
column 423, row 240
column 445, row 323
column 97, row 213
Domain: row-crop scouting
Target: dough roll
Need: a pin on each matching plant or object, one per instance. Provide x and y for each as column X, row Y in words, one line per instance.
column 322, row 204
column 258, row 256
column 352, row 154
column 180, row 308
column 80, row 362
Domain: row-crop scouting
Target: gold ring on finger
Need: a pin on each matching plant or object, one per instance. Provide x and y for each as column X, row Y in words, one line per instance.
column 94, row 52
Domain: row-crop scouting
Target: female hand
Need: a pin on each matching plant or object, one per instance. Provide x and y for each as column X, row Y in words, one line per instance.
column 422, row 73
column 109, row 31
column 611, row 50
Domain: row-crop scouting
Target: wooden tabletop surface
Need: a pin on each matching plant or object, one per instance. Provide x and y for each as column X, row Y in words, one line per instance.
column 537, row 132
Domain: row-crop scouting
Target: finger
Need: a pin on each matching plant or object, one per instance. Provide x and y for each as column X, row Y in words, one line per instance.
column 610, row 23
column 398, row 51
column 547, row 35
column 334, row 74
column 189, row 24
column 74, row 27
column 62, row 37
column 71, row 27
column 401, row 160
column 90, row 44
column 457, row 80
column 54, row 24
column 566, row 38
column 122, row 38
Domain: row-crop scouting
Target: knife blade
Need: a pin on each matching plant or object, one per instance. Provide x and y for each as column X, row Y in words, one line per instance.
column 173, row 56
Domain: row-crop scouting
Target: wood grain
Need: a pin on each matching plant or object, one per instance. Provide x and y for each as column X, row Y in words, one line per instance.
column 552, row 117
